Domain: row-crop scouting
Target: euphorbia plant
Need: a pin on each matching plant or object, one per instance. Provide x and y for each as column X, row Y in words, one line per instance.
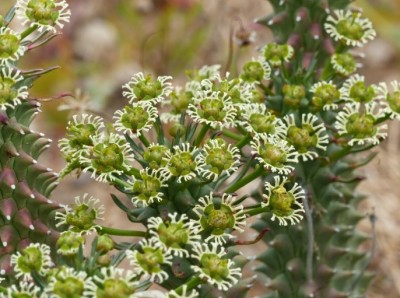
column 295, row 123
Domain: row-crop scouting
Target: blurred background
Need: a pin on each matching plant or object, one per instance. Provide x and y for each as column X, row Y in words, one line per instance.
column 109, row 41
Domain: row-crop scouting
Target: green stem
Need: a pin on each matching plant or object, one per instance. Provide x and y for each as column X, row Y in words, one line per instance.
column 191, row 284
column 159, row 131
column 382, row 119
column 242, row 130
column 119, row 232
column 256, row 211
column 201, row 134
column 136, row 173
column 327, row 71
column 144, row 140
column 3, row 290
column 310, row 242
column 252, row 206
column 244, row 141
column 122, row 183
column 28, row 31
column 247, row 179
column 231, row 135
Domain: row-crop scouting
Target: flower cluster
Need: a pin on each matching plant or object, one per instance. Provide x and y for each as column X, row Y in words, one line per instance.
column 195, row 161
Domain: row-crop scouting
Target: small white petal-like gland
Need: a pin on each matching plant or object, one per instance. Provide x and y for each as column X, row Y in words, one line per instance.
column 283, row 203
column 46, row 15
column 210, row 72
column 350, row 28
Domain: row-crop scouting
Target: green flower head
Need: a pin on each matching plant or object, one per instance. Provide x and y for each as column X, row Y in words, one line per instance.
column 143, row 89
column 284, row 204
column 350, row 28
column 33, row 258
column 10, row 46
column 81, row 216
column 214, row 268
column 219, row 218
column 149, row 260
column 173, row 235
column 45, row 14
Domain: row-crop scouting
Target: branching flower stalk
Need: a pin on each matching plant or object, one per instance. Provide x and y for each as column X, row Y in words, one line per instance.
column 281, row 142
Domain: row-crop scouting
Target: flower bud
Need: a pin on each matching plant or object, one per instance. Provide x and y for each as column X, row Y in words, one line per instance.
column 104, row 260
column 256, row 71
column 104, row 244
column 177, row 130
column 155, row 155
column 69, row 242
column 293, row 94
column 276, row 54
column 344, row 64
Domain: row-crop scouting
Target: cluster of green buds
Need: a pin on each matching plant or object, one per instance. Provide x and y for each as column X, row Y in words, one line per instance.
column 275, row 142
